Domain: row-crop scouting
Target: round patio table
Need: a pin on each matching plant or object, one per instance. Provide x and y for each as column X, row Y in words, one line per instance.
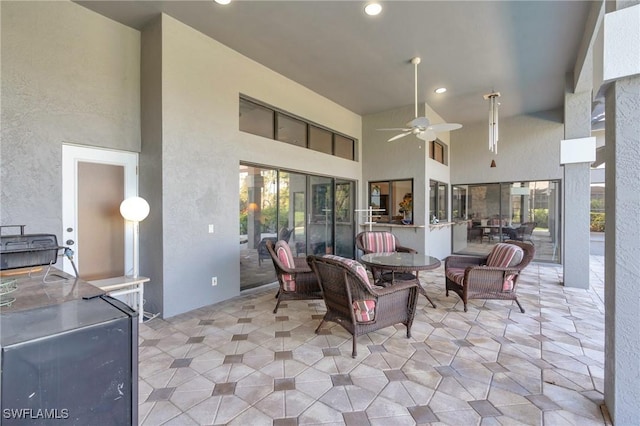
column 401, row 267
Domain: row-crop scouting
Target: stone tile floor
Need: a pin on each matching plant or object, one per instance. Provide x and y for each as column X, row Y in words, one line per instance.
column 238, row 363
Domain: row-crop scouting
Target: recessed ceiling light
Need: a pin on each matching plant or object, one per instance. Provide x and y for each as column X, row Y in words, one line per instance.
column 373, row 9
column 440, row 90
column 223, row 1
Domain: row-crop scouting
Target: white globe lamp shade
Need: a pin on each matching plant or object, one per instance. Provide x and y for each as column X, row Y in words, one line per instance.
column 135, row 209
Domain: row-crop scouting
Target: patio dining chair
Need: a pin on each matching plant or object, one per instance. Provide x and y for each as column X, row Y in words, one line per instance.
column 379, row 242
column 356, row 304
column 525, row 232
column 296, row 279
column 263, row 253
column 489, row 277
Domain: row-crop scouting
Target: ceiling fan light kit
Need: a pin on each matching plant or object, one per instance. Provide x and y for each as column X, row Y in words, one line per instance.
column 493, row 120
column 373, row 9
column 421, row 127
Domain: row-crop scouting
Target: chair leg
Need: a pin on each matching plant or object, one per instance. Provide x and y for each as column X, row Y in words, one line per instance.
column 520, row 306
column 277, row 304
column 319, row 325
column 354, row 353
column 465, row 306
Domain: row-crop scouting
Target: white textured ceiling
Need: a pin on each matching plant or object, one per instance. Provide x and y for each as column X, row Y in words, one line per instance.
column 522, row 49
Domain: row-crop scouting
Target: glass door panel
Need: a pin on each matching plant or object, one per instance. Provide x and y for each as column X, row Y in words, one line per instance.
column 344, row 224
column 320, row 215
column 258, row 223
column 293, row 202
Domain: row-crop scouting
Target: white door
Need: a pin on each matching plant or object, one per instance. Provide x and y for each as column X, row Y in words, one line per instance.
column 94, row 183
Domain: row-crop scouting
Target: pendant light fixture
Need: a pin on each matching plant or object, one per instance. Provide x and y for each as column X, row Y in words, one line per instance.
column 493, row 120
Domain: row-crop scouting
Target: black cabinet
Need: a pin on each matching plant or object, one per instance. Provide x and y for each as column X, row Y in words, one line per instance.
column 73, row 361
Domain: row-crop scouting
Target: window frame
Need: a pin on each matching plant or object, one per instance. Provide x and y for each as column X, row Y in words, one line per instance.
column 436, row 189
column 392, row 199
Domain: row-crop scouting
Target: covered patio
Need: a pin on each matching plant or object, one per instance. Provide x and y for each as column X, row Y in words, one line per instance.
column 237, row 363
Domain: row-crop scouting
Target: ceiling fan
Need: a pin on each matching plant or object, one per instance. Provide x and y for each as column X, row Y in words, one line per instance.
column 421, row 126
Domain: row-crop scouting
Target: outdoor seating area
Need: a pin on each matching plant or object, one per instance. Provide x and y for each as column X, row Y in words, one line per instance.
column 237, row 363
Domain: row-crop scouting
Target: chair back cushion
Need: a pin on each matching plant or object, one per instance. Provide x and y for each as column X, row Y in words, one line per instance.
column 379, row 242
column 504, row 256
column 283, row 251
column 353, row 265
column 364, row 310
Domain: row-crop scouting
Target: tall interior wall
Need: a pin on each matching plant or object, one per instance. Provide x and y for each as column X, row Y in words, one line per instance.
column 202, row 147
column 60, row 88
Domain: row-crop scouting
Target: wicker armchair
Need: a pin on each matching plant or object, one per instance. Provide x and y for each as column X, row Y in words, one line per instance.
column 297, row 280
column 263, row 253
column 355, row 304
column 379, row 242
column 491, row 277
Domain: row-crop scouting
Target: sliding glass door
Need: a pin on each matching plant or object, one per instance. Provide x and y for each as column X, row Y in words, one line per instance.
column 314, row 214
column 486, row 214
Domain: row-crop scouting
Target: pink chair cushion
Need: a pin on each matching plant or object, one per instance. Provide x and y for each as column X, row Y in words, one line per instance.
column 283, row 251
column 354, row 265
column 379, row 242
column 504, row 256
column 456, row 275
column 364, row 310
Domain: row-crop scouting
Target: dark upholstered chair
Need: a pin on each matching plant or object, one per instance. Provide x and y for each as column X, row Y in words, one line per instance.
column 297, row 280
column 490, row 277
column 525, row 231
column 379, row 242
column 263, row 253
column 357, row 305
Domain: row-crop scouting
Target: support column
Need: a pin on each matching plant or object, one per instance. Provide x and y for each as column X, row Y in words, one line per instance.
column 577, row 194
column 622, row 251
column 622, row 195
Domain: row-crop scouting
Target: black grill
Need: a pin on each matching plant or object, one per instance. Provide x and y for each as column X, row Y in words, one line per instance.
column 27, row 250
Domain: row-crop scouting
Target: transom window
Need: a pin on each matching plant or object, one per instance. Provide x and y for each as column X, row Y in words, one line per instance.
column 437, row 151
column 269, row 122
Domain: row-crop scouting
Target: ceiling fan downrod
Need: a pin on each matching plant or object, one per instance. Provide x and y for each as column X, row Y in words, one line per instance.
column 415, row 61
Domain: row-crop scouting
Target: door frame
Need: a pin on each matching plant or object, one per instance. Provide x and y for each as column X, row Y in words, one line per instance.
column 71, row 156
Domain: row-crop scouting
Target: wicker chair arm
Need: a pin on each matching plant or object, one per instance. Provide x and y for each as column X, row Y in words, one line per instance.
column 301, row 264
column 404, row 249
column 399, row 286
column 463, row 261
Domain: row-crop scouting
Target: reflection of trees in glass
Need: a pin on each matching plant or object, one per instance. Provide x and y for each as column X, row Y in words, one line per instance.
column 283, row 218
column 343, row 202
column 265, row 213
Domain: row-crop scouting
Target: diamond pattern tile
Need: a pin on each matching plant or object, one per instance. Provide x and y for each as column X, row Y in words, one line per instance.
column 238, row 363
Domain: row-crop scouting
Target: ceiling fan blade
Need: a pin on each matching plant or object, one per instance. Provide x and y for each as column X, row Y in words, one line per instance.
column 397, row 129
column 401, row 135
column 427, row 135
column 419, row 122
column 444, row 127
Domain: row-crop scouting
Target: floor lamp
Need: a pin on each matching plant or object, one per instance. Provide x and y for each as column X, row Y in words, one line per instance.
column 134, row 209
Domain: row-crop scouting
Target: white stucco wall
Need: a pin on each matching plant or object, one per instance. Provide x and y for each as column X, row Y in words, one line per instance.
column 529, row 149
column 68, row 75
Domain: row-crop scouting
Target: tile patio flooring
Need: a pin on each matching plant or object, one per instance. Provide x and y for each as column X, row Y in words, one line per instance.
column 237, row 363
